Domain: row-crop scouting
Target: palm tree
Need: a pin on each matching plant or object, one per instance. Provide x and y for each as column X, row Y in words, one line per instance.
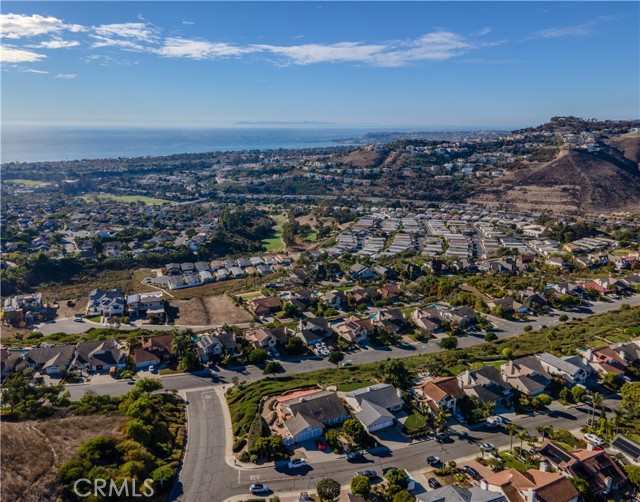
column 522, row 436
column 596, row 401
column 441, row 419
column 511, row 429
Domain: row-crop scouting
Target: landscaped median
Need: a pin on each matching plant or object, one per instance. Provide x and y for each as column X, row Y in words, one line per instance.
column 245, row 399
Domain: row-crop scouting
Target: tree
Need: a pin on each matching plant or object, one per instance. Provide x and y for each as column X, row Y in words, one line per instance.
column 633, row 473
column 258, row 356
column 578, row 393
column 353, row 429
column 397, row 477
column 295, row 345
column 596, row 401
column 336, row 357
column 360, row 485
column 148, row 385
column 272, row 367
column 328, row 490
column 612, row 381
column 630, row 402
column 528, row 328
column 434, row 366
column 448, row 343
column 540, row 401
column 441, row 419
column 511, row 429
column 395, row 373
column 563, row 318
column 403, row 496
column 291, row 310
column 507, row 352
column 582, row 485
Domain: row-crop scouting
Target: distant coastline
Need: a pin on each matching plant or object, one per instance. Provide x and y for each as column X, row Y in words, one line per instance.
column 40, row 144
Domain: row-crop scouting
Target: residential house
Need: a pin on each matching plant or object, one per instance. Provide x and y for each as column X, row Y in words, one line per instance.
column 261, row 339
column 363, row 295
column 462, row 316
column 508, row 304
column 263, row 307
column 305, row 414
column 354, row 329
column 389, row 291
column 527, row 375
column 317, row 325
column 209, row 346
column 628, row 449
column 8, row 361
column 158, row 346
column 426, row 321
column 143, row 358
column 50, row 360
column 99, row 355
column 374, row 406
column 147, row 304
column 570, row 368
column 106, row 303
column 335, row 299
column 437, row 394
column 604, row 360
column 359, row 271
column 452, row 493
column 629, row 352
column 22, row 308
column 486, row 384
column 391, row 320
column 532, row 485
column 594, row 466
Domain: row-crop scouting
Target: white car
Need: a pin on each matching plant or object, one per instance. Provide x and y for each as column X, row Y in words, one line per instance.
column 297, row 463
column 259, row 488
column 593, row 439
column 487, row 447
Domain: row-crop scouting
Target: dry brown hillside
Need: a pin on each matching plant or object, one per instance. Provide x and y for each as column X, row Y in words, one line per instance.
column 603, row 181
column 33, row 451
column 628, row 144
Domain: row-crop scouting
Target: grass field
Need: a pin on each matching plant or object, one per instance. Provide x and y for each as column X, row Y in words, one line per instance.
column 129, row 199
column 274, row 243
column 27, row 183
column 348, row 387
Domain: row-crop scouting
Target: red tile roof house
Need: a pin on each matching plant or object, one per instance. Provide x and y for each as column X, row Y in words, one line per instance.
column 532, row 485
column 262, row 307
column 439, row 393
column 605, row 360
column 596, row 467
column 154, row 350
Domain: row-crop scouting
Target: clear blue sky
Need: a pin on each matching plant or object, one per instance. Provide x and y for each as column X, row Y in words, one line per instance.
column 383, row 63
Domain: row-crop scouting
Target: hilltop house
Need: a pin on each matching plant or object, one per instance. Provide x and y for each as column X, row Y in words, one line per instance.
column 147, row 304
column 50, row 360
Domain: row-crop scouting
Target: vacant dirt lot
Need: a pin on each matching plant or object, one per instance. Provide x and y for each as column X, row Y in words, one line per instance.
column 33, row 451
column 217, row 309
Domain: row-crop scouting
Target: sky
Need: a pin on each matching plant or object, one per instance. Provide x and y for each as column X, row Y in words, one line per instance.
column 215, row 64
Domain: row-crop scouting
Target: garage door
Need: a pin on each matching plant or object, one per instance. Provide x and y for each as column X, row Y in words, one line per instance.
column 381, row 425
column 313, row 433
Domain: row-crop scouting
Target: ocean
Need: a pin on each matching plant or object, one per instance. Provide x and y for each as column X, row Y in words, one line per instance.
column 37, row 144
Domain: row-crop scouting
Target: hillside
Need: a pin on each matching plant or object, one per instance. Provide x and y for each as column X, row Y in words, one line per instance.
column 602, row 181
column 628, row 144
column 33, row 451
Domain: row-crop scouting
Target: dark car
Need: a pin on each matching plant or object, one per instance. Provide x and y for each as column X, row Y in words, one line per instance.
column 434, row 483
column 433, row 460
column 352, row 456
column 368, row 473
column 471, row 472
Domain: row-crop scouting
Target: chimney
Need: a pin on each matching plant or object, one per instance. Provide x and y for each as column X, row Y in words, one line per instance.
column 608, row 482
column 399, row 393
column 530, row 495
column 544, row 467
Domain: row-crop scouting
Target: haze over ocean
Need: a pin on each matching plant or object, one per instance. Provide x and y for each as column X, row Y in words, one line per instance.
column 37, row 144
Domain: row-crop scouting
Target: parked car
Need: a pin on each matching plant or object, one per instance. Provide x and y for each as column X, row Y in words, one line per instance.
column 434, row 483
column 433, row 460
column 494, row 421
column 593, row 439
column 354, row 455
column 304, row 496
column 152, row 368
column 368, row 473
column 320, row 445
column 259, row 488
column 297, row 463
column 471, row 471
column 487, row 447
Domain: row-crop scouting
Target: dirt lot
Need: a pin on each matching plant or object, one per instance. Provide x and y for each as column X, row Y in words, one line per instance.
column 33, row 451
column 208, row 310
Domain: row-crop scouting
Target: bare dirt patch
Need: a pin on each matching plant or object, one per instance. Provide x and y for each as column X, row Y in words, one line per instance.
column 33, row 451
column 209, row 310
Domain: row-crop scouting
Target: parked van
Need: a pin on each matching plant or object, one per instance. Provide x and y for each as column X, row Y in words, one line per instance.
column 495, row 421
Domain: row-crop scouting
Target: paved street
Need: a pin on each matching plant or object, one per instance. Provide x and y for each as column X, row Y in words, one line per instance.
column 505, row 329
column 206, row 476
